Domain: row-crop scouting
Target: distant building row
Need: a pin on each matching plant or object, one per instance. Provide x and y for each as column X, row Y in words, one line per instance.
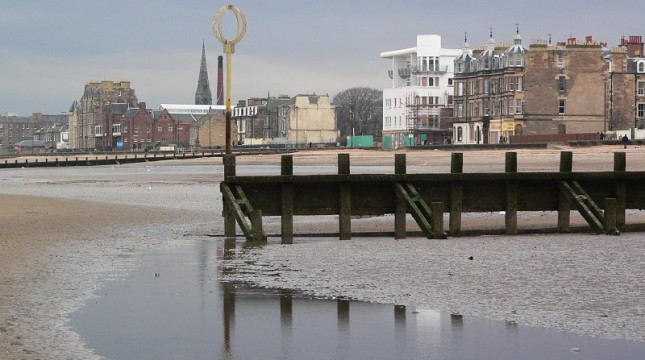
column 498, row 91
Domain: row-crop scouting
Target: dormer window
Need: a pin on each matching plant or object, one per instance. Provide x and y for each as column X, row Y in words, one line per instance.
column 519, row 59
column 641, row 66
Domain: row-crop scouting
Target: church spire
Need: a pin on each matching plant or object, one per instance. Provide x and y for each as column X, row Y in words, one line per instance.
column 203, row 93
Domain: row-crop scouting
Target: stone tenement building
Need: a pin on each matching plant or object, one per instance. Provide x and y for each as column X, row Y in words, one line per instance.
column 14, row 128
column 506, row 90
column 572, row 87
column 210, row 131
column 258, row 119
column 86, row 119
column 626, row 85
column 297, row 121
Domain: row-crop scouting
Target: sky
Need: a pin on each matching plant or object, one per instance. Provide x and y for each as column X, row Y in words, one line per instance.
column 49, row 49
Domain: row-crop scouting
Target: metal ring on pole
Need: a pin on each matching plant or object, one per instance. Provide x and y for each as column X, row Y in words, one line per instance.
column 240, row 28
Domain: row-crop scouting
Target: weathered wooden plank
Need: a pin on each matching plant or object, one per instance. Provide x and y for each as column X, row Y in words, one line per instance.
column 582, row 207
column 456, row 207
column 437, row 220
column 229, row 198
column 344, row 199
column 400, row 209
column 620, row 190
column 417, row 214
column 243, row 201
column 258, row 234
column 611, row 226
column 595, row 209
column 510, row 215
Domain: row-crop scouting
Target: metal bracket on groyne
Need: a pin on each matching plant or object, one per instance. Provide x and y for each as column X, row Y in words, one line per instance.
column 601, row 197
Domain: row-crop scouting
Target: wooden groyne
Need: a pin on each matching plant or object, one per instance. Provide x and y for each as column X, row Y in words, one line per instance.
column 125, row 158
column 601, row 197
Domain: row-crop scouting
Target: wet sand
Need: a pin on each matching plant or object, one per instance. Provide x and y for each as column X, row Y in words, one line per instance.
column 63, row 232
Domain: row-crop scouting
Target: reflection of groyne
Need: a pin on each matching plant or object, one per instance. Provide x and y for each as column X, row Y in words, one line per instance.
column 601, row 197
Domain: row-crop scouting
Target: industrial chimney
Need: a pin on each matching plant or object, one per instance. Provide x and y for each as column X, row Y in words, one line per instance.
column 220, row 80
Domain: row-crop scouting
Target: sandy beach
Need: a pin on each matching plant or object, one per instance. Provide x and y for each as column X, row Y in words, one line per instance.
column 64, row 231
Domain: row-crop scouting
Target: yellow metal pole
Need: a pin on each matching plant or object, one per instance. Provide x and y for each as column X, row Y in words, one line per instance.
column 229, row 48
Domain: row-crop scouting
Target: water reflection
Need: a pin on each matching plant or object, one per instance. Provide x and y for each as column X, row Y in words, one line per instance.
column 187, row 313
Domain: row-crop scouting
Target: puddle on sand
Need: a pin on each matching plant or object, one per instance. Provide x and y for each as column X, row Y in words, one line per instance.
column 174, row 307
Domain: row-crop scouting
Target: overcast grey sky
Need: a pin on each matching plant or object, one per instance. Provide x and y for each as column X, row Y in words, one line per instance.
column 50, row 49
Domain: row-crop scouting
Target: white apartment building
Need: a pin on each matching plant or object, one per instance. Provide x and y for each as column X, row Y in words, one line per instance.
column 421, row 94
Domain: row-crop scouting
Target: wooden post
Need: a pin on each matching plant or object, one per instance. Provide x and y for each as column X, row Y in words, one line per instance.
column 456, row 194
column 399, row 204
column 256, row 226
column 436, row 209
column 511, row 195
column 620, row 190
column 564, row 205
column 229, row 217
column 287, row 200
column 610, row 216
column 345, row 199
column 566, row 161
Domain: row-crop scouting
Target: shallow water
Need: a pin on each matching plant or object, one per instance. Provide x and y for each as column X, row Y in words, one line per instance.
column 175, row 307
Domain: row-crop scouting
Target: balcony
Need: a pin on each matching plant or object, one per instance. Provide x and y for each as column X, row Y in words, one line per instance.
column 416, row 70
column 404, row 73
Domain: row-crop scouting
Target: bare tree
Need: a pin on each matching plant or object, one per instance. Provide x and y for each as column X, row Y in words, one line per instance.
column 359, row 111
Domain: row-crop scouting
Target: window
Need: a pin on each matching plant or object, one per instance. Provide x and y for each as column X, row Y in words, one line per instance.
column 640, row 111
column 511, row 106
column 486, row 86
column 460, row 110
column 460, row 134
column 450, row 82
column 641, row 66
column 116, row 128
column 641, row 88
column 98, row 130
column 562, row 83
column 560, row 62
column 170, row 128
column 159, row 128
column 562, row 106
column 519, row 59
column 518, row 106
column 562, row 129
